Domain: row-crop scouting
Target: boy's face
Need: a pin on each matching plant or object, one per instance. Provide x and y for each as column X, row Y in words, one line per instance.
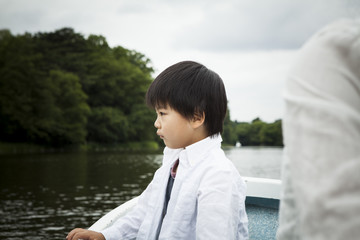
column 176, row 130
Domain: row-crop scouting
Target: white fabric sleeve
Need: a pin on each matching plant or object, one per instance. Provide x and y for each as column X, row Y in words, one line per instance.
column 221, row 208
column 321, row 126
column 128, row 226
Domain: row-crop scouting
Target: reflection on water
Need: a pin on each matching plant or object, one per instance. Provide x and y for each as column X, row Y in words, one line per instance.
column 44, row 196
column 263, row 162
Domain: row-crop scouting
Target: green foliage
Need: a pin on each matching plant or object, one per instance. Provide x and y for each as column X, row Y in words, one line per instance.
column 25, row 93
column 271, row 134
column 70, row 110
column 59, row 88
column 256, row 133
column 141, row 122
column 107, row 125
column 229, row 135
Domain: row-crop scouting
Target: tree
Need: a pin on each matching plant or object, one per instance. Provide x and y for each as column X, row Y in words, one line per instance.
column 229, row 133
column 242, row 131
column 70, row 109
column 141, row 123
column 23, row 90
column 63, row 49
column 107, row 125
column 60, row 88
column 254, row 132
column 271, row 134
column 259, row 133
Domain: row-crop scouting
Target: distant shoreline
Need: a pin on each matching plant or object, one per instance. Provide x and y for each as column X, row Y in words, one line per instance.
column 31, row 148
column 7, row 148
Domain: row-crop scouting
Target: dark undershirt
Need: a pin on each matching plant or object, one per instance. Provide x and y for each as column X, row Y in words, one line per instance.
column 169, row 187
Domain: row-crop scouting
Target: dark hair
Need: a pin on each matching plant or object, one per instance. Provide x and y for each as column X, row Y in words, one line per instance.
column 191, row 89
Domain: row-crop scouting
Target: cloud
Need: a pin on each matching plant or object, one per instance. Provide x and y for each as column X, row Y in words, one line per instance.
column 207, row 25
column 254, row 83
column 261, row 24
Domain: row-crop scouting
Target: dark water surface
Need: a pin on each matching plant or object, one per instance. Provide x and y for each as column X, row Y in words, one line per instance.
column 44, row 196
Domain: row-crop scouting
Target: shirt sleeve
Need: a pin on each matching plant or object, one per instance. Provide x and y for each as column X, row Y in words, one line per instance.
column 128, row 226
column 221, row 207
column 322, row 138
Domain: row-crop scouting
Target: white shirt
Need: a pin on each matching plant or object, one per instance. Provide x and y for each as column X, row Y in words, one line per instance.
column 321, row 166
column 207, row 199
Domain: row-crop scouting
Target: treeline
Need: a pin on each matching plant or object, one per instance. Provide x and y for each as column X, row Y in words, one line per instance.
column 61, row 88
column 256, row 133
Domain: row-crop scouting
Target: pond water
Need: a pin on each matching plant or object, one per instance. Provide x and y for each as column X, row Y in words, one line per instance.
column 44, row 196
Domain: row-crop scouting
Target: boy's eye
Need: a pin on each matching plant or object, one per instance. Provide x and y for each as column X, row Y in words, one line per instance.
column 161, row 113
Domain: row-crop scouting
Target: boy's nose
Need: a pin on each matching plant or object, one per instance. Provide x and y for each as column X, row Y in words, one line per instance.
column 157, row 123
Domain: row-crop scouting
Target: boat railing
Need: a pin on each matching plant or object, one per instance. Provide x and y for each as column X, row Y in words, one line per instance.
column 260, row 191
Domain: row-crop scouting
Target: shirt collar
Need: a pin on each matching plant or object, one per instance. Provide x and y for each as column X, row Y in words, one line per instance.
column 171, row 155
column 192, row 153
column 196, row 151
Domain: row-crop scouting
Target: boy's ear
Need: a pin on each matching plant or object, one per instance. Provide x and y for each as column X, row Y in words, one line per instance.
column 198, row 119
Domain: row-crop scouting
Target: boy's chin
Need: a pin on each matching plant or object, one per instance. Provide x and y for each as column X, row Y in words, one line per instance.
column 169, row 145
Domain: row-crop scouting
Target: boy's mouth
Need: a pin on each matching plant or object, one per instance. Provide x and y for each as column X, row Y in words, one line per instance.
column 161, row 136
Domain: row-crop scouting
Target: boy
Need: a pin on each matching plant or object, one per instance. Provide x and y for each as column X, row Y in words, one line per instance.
column 197, row 193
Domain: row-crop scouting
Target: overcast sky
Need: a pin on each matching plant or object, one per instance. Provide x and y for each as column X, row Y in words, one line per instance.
column 249, row 43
